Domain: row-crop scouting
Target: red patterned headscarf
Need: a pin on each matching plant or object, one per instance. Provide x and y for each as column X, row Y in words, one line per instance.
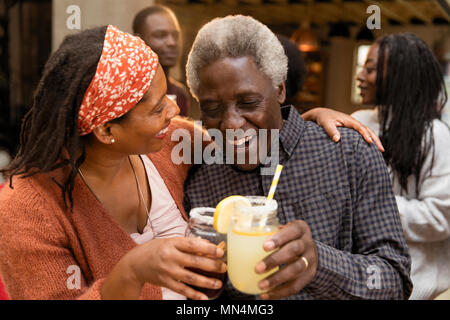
column 124, row 73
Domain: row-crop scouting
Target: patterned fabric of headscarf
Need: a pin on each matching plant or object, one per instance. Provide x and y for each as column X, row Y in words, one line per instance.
column 124, row 73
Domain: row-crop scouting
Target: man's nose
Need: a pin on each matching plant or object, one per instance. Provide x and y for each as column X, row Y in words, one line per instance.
column 232, row 119
column 171, row 40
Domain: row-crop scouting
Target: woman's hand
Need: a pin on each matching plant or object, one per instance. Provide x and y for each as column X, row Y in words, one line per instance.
column 162, row 262
column 297, row 252
column 330, row 119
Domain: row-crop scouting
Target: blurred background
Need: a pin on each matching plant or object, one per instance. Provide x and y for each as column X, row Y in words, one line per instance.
column 331, row 34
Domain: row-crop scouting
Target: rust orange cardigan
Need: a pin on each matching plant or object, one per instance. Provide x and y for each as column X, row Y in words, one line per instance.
column 41, row 240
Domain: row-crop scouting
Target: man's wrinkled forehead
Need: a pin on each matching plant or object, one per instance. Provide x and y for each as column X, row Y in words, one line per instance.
column 238, row 76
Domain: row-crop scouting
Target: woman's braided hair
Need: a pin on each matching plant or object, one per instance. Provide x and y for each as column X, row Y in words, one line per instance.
column 411, row 93
column 49, row 133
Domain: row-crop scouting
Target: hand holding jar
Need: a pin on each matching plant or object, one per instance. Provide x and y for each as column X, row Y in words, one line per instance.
column 201, row 226
column 297, row 252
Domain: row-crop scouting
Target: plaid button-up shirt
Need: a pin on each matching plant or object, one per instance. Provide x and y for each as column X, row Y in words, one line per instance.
column 343, row 192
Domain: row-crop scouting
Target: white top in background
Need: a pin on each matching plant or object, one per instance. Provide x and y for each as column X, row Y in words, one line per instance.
column 425, row 213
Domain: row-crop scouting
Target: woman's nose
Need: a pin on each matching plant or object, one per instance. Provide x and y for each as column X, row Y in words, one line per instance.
column 173, row 109
column 360, row 75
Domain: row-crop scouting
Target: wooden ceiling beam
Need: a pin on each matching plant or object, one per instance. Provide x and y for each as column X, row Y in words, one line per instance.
column 175, row 2
column 387, row 11
column 445, row 13
column 251, row 2
column 320, row 13
column 359, row 10
column 345, row 12
column 353, row 11
column 297, row 13
column 414, row 11
column 280, row 2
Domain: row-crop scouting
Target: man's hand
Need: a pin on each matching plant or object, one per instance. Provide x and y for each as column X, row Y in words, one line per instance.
column 295, row 245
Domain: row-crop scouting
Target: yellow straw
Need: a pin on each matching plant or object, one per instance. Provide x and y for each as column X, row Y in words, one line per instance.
column 273, row 187
column 276, row 177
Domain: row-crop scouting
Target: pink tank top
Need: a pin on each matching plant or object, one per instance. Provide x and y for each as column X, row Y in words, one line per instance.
column 165, row 217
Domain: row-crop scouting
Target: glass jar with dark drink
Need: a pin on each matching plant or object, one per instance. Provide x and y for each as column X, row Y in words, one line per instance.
column 201, row 225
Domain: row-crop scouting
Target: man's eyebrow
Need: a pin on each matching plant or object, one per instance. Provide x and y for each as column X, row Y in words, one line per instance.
column 248, row 94
column 209, row 101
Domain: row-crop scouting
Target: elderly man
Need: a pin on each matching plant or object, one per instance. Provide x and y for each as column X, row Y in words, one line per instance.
column 158, row 26
column 335, row 198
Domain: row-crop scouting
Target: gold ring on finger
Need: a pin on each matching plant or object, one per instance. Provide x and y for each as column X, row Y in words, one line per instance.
column 305, row 262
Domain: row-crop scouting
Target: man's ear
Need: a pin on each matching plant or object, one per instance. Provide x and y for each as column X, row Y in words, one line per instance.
column 103, row 134
column 281, row 93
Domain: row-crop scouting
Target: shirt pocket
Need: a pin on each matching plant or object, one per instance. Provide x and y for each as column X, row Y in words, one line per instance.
column 290, row 210
column 325, row 215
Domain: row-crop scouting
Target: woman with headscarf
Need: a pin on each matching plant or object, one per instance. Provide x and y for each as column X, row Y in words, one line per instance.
column 81, row 200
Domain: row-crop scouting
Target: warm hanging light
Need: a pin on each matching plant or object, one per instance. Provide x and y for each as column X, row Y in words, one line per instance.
column 305, row 38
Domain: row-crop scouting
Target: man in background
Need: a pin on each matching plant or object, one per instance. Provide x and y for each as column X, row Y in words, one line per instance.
column 158, row 26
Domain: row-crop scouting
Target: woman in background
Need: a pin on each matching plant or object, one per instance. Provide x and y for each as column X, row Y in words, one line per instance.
column 403, row 79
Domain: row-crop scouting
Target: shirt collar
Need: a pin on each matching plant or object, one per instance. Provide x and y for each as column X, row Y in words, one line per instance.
column 292, row 129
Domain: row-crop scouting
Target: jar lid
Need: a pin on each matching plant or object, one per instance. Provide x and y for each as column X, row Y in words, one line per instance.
column 203, row 215
column 260, row 206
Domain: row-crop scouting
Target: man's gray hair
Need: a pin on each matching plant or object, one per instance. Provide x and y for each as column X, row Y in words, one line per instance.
column 233, row 37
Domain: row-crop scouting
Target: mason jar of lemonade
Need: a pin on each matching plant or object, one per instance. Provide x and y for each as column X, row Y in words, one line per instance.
column 251, row 224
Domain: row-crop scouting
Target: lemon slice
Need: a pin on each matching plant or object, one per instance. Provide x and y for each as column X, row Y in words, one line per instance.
column 225, row 209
